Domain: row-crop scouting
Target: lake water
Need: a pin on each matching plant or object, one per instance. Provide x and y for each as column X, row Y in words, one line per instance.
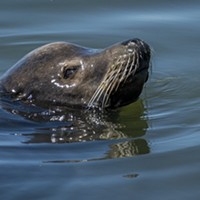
column 147, row 150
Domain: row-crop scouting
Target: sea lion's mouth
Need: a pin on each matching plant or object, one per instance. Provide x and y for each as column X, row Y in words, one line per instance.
column 143, row 69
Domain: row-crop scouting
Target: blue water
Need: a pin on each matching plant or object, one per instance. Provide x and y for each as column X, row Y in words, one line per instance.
column 147, row 150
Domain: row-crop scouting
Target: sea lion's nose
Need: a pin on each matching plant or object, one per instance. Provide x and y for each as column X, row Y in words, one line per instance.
column 131, row 41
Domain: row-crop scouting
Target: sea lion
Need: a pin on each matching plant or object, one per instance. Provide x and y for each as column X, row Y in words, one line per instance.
column 65, row 74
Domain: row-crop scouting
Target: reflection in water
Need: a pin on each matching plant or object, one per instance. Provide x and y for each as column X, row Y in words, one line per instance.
column 124, row 128
column 128, row 148
column 118, row 150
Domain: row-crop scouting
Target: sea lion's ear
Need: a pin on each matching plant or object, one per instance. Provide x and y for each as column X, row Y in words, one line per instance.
column 69, row 71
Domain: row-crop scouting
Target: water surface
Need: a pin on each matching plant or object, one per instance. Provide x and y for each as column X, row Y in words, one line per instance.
column 147, row 150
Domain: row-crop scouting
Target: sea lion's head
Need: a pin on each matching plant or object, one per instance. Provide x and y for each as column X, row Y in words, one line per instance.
column 70, row 75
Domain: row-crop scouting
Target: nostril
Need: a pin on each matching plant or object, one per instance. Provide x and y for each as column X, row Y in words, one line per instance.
column 131, row 41
column 142, row 46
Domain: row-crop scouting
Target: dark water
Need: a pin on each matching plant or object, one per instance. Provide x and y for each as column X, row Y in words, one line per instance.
column 147, row 150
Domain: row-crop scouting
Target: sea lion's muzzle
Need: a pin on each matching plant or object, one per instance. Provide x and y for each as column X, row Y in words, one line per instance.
column 124, row 79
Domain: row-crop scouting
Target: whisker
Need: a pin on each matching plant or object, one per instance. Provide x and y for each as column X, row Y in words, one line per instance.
column 117, row 74
column 106, row 82
column 108, row 91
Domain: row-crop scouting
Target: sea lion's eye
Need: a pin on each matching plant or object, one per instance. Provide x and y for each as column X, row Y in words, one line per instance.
column 69, row 71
